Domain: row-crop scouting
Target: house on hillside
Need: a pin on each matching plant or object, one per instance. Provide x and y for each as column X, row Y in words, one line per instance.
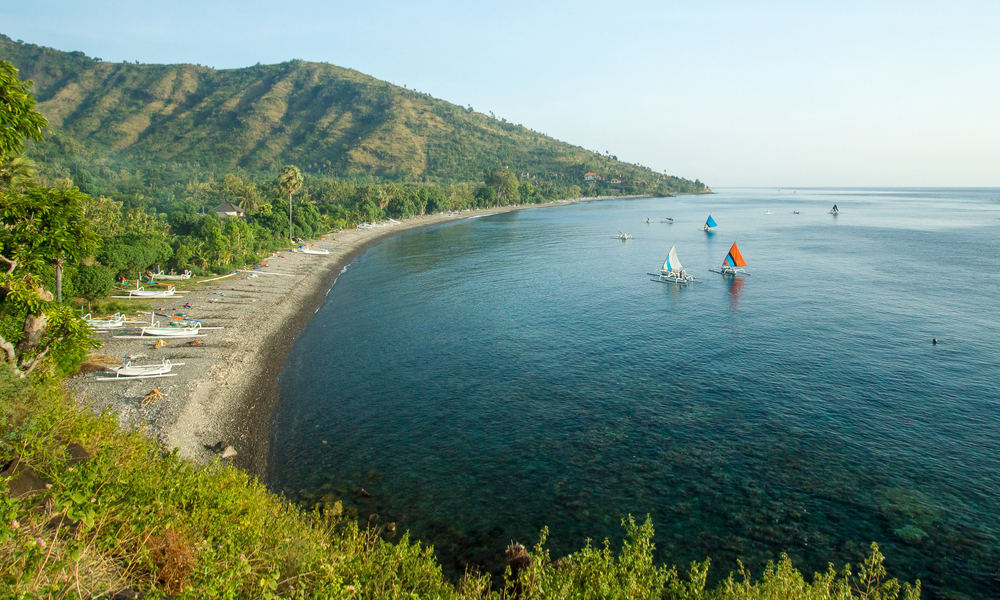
column 591, row 176
column 227, row 209
column 616, row 181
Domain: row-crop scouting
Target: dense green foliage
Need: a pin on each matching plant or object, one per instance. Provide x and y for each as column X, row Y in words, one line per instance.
column 40, row 229
column 20, row 120
column 132, row 516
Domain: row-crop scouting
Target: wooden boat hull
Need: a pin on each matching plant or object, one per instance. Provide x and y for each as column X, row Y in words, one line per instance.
column 170, row 331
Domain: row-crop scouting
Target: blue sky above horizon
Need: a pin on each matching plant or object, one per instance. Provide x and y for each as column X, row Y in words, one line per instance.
column 733, row 93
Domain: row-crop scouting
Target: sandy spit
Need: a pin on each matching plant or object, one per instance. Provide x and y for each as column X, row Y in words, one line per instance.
column 227, row 389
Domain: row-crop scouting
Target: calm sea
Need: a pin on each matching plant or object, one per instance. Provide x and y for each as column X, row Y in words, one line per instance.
column 486, row 378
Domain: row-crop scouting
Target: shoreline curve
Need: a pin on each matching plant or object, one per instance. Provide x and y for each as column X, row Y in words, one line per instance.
column 228, row 389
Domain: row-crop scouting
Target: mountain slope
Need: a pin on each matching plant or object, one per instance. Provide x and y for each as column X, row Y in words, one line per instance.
column 329, row 120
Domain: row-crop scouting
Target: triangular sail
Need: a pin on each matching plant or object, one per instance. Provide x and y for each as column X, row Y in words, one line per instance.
column 672, row 263
column 711, row 222
column 835, row 209
column 734, row 258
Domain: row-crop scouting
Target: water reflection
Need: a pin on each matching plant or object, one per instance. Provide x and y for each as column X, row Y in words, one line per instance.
column 735, row 286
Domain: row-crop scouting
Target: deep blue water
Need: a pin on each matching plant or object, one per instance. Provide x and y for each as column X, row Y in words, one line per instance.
column 485, row 378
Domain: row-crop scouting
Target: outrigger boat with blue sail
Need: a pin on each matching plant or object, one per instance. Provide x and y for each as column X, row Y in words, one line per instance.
column 834, row 210
column 733, row 263
column 672, row 270
column 709, row 224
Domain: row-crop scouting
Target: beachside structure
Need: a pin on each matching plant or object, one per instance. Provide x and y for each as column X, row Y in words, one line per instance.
column 228, row 209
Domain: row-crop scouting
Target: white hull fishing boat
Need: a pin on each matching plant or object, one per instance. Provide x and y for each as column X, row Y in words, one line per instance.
column 133, row 371
column 733, row 263
column 172, row 277
column 309, row 249
column 139, row 292
column 672, row 270
column 154, row 330
column 176, row 332
column 623, row 236
column 115, row 322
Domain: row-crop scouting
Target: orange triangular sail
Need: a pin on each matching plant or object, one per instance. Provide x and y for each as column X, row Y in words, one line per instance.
column 734, row 258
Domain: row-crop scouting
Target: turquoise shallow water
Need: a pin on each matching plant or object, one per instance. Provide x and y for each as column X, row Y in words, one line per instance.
column 486, row 378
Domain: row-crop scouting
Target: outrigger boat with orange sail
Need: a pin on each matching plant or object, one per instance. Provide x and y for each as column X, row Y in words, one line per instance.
column 733, row 263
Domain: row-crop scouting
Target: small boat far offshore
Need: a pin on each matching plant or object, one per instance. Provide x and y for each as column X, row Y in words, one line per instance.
column 709, row 224
column 834, row 210
column 733, row 263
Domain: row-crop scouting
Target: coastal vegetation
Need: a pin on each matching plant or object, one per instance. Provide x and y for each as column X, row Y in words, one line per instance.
column 90, row 510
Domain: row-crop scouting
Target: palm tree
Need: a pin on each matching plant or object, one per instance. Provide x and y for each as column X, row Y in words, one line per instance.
column 17, row 173
column 290, row 181
column 249, row 199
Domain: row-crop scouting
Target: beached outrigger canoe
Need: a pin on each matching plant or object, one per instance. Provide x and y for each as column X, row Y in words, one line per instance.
column 139, row 292
column 309, row 249
column 116, row 322
column 133, row 371
column 171, row 276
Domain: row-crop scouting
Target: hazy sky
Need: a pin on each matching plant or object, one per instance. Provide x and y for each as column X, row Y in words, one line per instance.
column 733, row 93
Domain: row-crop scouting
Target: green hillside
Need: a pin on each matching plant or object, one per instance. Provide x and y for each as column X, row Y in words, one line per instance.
column 330, row 121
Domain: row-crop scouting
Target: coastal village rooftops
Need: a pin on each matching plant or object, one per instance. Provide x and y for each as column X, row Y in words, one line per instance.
column 227, row 209
column 590, row 176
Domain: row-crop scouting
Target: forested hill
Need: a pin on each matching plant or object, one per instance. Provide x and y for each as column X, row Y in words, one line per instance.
column 330, row 121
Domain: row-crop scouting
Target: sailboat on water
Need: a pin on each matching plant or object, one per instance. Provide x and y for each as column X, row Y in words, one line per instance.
column 709, row 224
column 672, row 270
column 835, row 210
column 733, row 263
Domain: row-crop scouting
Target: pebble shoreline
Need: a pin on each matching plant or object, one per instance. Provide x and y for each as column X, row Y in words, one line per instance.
column 227, row 389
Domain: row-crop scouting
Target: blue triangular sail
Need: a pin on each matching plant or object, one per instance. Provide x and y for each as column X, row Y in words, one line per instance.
column 711, row 222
